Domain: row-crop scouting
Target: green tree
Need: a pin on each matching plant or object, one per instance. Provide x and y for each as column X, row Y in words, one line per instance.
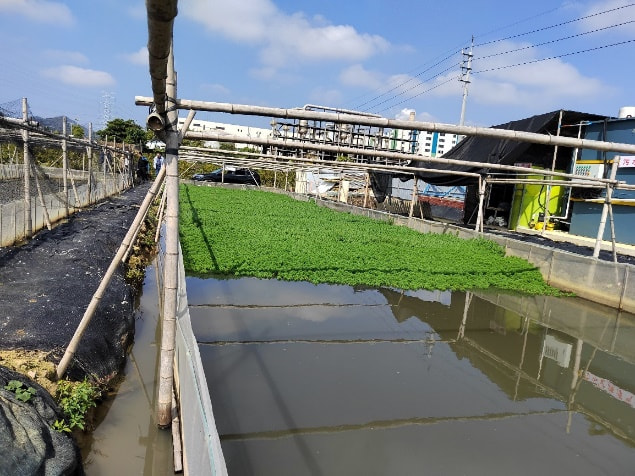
column 77, row 131
column 123, row 131
column 227, row 146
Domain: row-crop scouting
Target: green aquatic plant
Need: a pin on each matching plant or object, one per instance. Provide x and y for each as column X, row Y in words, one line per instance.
column 267, row 235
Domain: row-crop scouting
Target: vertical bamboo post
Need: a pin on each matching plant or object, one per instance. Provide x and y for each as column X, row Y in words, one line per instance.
column 553, row 167
column 366, row 189
column 415, row 195
column 482, row 186
column 65, row 166
column 89, row 153
column 28, row 231
column 47, row 219
column 170, row 279
column 605, row 208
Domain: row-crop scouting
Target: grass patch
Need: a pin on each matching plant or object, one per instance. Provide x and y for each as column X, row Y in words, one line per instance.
column 267, row 235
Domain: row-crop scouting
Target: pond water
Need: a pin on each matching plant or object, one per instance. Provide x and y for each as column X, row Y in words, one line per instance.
column 127, row 440
column 336, row 380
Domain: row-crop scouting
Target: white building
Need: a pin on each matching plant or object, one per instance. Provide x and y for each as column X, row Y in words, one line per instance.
column 435, row 144
column 228, row 129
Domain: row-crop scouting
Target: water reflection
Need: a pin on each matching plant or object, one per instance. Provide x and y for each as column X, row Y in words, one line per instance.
column 322, row 379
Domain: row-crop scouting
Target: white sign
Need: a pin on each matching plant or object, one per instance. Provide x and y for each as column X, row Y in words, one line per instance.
column 627, row 161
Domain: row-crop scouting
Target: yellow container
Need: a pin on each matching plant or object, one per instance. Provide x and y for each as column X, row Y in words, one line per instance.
column 539, row 225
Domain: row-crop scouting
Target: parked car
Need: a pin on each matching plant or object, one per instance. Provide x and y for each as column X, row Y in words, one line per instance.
column 243, row 176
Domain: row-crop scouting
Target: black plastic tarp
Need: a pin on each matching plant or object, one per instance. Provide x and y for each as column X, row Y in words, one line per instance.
column 504, row 151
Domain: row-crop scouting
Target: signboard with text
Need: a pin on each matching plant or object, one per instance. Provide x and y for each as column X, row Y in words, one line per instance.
column 626, row 161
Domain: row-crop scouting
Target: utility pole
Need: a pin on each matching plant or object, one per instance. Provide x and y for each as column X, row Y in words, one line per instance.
column 466, row 69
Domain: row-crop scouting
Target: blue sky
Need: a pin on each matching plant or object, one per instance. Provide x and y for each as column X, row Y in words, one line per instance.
column 387, row 57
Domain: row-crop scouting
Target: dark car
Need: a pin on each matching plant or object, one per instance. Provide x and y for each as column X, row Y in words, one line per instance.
column 243, row 176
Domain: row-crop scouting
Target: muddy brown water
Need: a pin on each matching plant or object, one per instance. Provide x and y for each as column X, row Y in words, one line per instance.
column 126, row 440
column 334, row 380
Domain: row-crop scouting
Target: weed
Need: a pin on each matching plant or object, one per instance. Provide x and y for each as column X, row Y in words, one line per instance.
column 22, row 393
column 75, row 399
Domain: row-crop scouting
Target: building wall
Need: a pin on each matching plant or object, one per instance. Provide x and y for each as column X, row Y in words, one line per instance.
column 229, row 129
column 585, row 215
column 435, row 144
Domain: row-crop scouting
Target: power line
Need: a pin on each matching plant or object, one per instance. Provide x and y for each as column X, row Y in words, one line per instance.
column 554, row 57
column 419, row 94
column 397, row 86
column 518, row 22
column 555, row 41
column 556, row 25
column 401, row 93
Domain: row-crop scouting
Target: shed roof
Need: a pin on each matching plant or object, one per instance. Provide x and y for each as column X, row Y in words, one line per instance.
column 505, row 151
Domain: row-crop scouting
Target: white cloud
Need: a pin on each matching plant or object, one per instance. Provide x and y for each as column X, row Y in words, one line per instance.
column 532, row 83
column 216, row 89
column 325, row 96
column 357, row 75
column 76, row 76
column 283, row 39
column 140, row 57
column 41, row 11
column 622, row 11
column 66, row 56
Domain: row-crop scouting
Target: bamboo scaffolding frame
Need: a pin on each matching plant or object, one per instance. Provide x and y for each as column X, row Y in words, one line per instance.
column 97, row 296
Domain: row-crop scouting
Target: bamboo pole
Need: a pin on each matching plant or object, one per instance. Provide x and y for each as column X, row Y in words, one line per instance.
column 482, row 188
column 366, row 183
column 415, row 195
column 520, row 136
column 77, row 202
column 160, row 218
column 170, row 280
column 547, row 214
column 605, row 208
column 47, row 218
column 27, row 173
column 65, row 166
column 90, row 310
column 89, row 153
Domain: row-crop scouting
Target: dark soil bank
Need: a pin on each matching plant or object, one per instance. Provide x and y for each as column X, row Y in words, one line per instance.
column 46, row 285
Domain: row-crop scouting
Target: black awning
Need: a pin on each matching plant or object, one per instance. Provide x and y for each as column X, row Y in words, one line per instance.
column 503, row 151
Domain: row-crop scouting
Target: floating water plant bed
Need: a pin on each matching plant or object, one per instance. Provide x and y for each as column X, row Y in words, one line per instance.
column 268, row 235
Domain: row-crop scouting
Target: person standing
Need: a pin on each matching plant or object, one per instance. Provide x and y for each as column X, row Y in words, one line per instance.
column 158, row 163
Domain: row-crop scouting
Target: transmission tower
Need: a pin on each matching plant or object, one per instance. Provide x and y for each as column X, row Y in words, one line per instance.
column 107, row 103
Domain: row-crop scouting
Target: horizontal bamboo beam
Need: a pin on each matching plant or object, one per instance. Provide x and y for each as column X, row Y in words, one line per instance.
column 520, row 136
